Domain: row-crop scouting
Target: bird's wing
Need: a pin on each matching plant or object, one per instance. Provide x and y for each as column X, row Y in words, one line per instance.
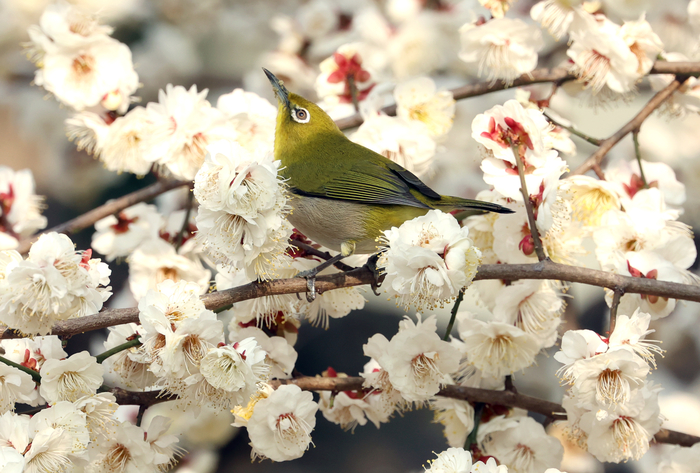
column 374, row 181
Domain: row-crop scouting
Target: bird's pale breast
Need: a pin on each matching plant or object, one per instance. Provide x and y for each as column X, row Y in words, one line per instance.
column 331, row 222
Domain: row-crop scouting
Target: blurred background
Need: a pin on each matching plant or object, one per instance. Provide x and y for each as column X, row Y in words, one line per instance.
column 222, row 44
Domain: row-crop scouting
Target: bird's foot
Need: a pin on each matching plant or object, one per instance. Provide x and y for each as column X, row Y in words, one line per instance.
column 376, row 272
column 310, row 276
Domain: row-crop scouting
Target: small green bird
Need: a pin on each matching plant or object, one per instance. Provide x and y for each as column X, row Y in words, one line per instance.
column 346, row 195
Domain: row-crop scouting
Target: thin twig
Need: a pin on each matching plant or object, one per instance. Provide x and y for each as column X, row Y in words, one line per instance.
column 453, row 315
column 139, row 416
column 508, row 272
column 34, row 374
column 308, row 249
column 634, row 124
column 638, row 155
column 186, row 222
column 113, row 351
column 572, row 130
column 617, row 294
column 539, row 250
column 115, row 206
column 471, row 438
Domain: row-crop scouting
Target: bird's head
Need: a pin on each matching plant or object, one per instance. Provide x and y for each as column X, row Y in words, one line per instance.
column 299, row 121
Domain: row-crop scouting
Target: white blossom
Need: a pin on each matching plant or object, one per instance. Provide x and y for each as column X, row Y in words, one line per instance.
column 418, row 99
column 406, row 142
column 428, row 260
column 156, row 261
column 280, row 356
column 20, row 207
column 126, row 451
column 15, row 386
column 127, row 144
column 118, row 235
column 236, row 181
column 520, row 443
column 416, row 360
column 498, row 349
column 502, row 48
column 557, row 16
column 281, row 424
column 602, row 58
column 253, row 118
column 184, row 123
column 70, row 379
column 85, row 76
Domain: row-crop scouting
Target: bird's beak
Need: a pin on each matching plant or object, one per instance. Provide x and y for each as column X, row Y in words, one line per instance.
column 280, row 90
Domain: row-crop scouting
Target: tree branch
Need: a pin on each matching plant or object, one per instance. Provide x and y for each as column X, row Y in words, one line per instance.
column 89, row 218
column 534, row 232
column 363, row 276
column 557, row 75
column 634, row 124
column 503, row 398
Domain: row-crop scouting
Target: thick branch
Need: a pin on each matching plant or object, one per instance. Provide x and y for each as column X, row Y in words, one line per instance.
column 89, row 218
column 633, row 125
column 362, row 276
column 503, row 398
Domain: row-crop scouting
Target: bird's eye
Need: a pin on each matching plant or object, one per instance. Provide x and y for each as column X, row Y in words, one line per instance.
column 300, row 115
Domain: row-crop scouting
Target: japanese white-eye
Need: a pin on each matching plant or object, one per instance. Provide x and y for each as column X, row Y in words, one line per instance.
column 345, row 195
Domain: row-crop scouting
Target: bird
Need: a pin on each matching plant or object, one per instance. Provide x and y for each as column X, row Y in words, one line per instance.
column 344, row 195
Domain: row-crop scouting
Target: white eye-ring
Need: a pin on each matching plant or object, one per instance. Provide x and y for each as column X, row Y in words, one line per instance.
column 300, row 115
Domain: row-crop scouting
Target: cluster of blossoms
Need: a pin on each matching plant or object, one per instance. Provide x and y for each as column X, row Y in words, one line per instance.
column 612, row 409
column 78, row 431
column 634, row 224
column 242, row 203
column 54, row 283
column 428, row 260
column 183, row 352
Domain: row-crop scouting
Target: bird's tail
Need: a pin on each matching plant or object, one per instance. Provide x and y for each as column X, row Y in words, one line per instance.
column 474, row 207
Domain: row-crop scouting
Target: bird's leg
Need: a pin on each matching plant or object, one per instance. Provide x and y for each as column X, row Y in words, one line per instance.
column 310, row 275
column 376, row 272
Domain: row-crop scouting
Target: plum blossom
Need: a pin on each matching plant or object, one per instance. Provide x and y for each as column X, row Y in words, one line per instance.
column 418, row 99
column 281, row 424
column 503, row 129
column 344, row 78
column 20, row 207
column 184, row 123
column 79, row 62
column 156, row 261
column 406, row 142
column 118, row 235
column 70, row 379
column 428, row 260
column 502, row 48
column 127, row 143
column 557, row 16
column 520, row 443
column 253, row 118
column 54, row 283
column 497, row 348
column 241, row 222
column 602, row 58
column 416, row 360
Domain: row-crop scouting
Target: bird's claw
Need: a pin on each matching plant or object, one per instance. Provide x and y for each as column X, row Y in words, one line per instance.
column 311, row 286
column 376, row 272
